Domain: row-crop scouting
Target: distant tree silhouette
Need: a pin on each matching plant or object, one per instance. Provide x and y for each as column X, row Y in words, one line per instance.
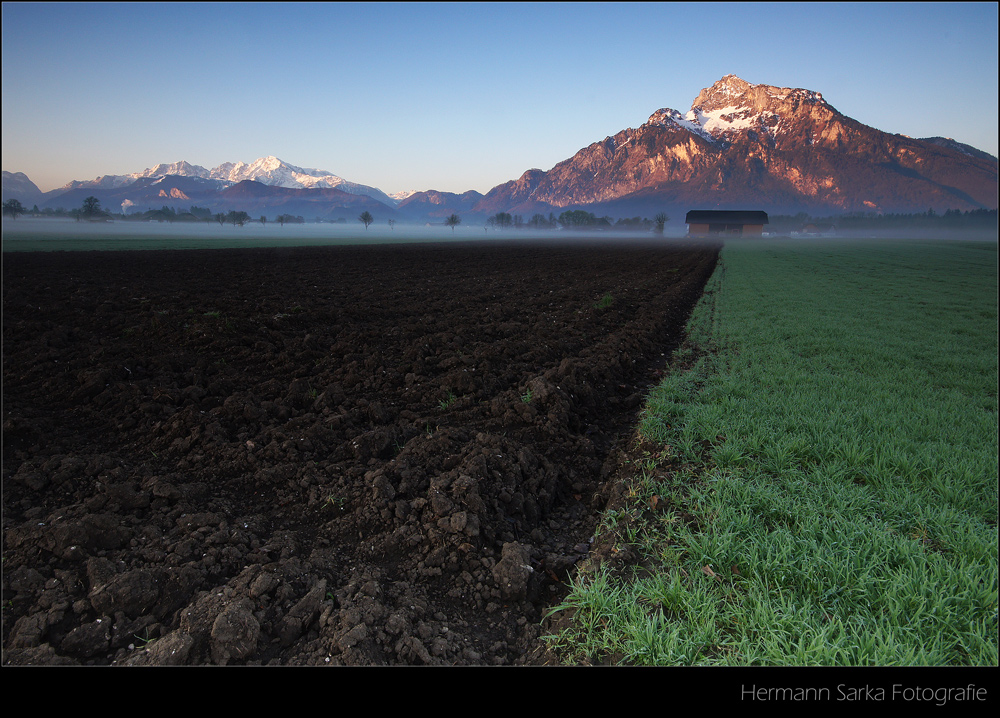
column 453, row 221
column 502, row 220
column 91, row 207
column 635, row 224
column 238, row 218
column 577, row 218
column 366, row 218
column 661, row 219
column 12, row 208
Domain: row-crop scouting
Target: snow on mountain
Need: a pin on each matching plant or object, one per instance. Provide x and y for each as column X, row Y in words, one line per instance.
column 689, row 122
column 723, row 120
column 267, row 170
column 732, row 106
column 181, row 168
column 184, row 169
column 398, row 197
column 274, row 172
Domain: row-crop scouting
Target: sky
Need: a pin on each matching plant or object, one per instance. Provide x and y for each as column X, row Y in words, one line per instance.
column 454, row 96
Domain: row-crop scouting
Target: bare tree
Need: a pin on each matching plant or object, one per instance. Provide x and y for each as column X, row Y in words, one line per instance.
column 453, row 221
column 366, row 218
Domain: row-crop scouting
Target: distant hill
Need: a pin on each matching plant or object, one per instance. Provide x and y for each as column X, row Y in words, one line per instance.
column 16, row 185
column 184, row 191
column 434, row 205
column 961, row 147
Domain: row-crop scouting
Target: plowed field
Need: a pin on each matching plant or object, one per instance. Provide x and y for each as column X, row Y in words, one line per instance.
column 383, row 455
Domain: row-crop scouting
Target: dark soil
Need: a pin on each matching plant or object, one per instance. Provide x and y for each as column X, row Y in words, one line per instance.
column 382, row 455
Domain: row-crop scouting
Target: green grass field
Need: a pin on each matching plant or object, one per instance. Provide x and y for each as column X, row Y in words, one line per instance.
column 818, row 484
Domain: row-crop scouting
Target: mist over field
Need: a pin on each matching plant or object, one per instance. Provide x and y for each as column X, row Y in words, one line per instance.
column 28, row 234
column 46, row 234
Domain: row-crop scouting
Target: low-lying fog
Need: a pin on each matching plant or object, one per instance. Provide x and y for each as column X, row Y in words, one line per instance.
column 31, row 234
column 41, row 234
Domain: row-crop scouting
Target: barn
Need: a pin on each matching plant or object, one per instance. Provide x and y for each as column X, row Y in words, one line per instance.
column 739, row 223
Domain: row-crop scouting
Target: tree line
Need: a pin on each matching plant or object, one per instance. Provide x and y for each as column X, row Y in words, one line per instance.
column 570, row 219
column 91, row 210
column 576, row 219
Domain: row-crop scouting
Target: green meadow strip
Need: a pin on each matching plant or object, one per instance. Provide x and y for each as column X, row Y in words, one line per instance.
column 823, row 466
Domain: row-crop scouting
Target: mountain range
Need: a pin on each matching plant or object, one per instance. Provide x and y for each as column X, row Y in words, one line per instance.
column 740, row 146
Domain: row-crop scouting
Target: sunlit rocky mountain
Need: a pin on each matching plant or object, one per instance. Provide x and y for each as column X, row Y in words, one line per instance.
column 774, row 148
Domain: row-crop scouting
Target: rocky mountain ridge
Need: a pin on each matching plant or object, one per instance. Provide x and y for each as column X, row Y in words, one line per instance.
column 774, row 148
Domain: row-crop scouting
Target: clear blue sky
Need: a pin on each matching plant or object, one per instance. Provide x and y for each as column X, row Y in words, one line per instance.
column 454, row 96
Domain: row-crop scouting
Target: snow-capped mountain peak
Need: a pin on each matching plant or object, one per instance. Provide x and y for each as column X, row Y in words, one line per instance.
column 268, row 170
column 275, row 172
column 272, row 171
column 732, row 106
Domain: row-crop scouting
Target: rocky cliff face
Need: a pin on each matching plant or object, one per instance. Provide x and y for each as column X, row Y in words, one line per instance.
column 743, row 145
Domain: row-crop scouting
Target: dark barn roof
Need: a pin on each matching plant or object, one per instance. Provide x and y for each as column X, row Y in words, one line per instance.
column 725, row 216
